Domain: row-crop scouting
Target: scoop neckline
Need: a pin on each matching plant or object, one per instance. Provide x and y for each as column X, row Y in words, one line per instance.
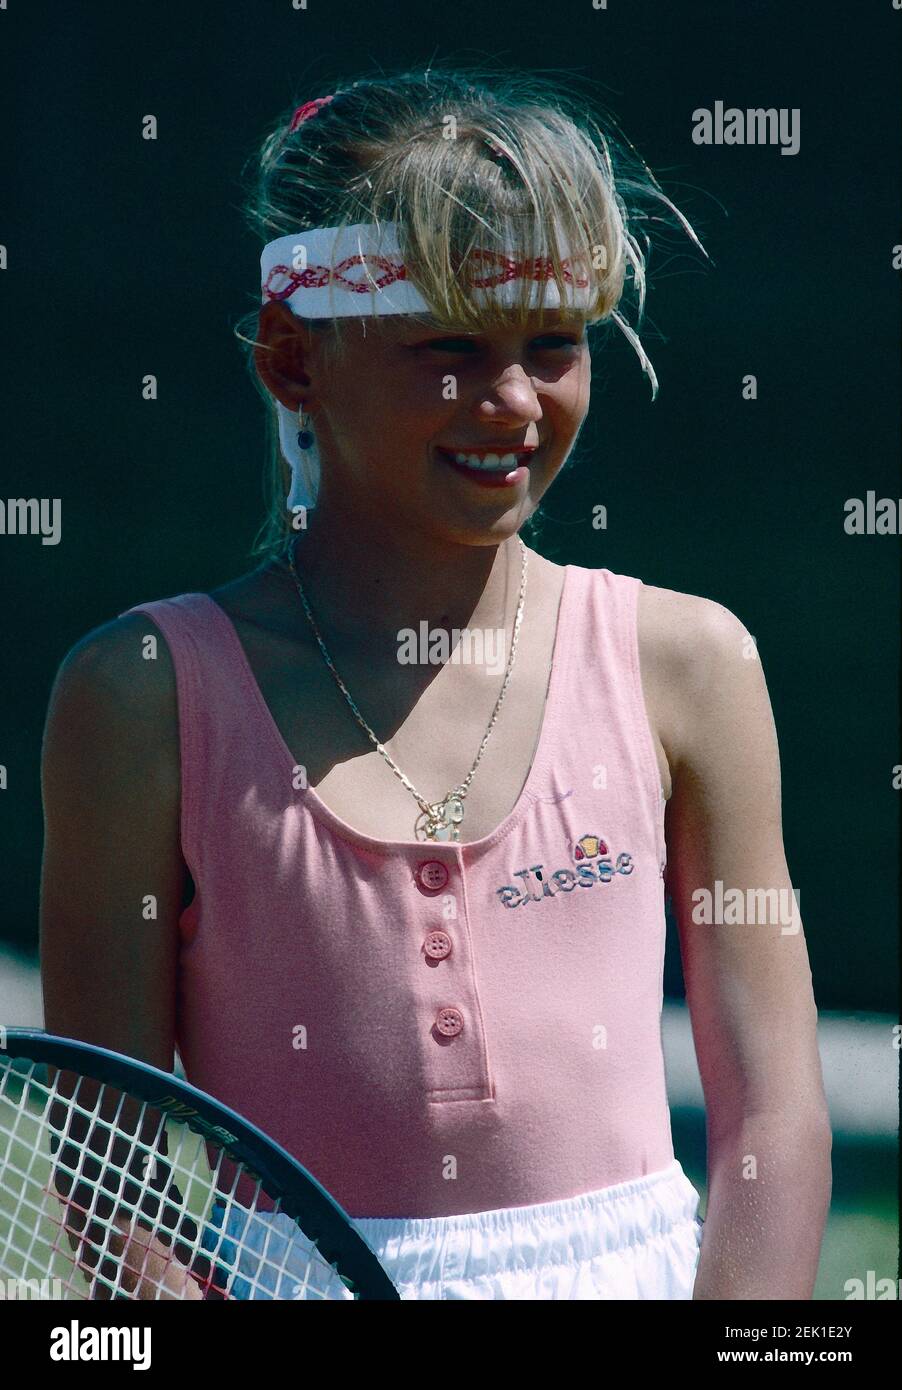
column 348, row 832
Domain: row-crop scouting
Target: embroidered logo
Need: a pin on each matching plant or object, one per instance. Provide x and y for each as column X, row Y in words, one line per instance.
column 593, row 859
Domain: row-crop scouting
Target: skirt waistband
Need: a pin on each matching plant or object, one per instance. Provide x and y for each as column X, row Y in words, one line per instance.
column 591, row 1224
column 637, row 1239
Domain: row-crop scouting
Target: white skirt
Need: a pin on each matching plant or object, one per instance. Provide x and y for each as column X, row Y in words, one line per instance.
column 634, row 1240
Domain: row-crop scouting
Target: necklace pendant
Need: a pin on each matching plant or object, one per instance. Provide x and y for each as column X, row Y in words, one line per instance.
column 444, row 819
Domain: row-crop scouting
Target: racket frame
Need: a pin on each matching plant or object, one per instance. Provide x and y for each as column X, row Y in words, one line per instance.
column 281, row 1176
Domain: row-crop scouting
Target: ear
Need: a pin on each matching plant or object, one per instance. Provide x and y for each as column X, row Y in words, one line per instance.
column 282, row 354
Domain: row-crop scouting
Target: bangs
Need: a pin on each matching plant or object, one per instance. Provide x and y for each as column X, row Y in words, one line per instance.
column 504, row 224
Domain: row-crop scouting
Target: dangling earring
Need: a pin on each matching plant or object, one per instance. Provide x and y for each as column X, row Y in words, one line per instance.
column 305, row 433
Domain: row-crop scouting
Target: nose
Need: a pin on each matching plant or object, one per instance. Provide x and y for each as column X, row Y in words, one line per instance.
column 511, row 399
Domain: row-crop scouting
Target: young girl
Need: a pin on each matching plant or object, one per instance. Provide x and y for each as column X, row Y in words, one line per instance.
column 399, row 793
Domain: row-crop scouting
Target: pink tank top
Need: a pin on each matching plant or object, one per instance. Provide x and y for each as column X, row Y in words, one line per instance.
column 431, row 1028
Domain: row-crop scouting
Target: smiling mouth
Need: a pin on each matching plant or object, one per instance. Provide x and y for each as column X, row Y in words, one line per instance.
column 489, row 462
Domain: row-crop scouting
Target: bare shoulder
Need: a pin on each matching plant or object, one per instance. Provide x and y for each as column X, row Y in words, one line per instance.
column 114, row 689
column 682, row 630
column 107, row 659
column 686, row 645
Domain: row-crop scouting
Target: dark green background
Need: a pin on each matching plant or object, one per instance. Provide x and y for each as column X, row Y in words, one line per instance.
column 128, row 257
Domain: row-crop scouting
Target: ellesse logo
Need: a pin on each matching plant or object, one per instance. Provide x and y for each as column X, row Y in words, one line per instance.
column 594, row 864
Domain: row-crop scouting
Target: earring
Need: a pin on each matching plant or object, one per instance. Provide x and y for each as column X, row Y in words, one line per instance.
column 305, row 434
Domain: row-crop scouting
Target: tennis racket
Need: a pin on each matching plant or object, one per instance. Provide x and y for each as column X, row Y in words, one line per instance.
column 118, row 1180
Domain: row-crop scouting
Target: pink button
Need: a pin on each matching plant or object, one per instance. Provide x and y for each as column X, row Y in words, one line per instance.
column 432, row 874
column 449, row 1021
column 437, row 945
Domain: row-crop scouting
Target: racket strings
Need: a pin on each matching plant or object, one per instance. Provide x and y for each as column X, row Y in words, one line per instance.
column 143, row 1207
column 25, row 1215
column 29, row 1216
column 105, row 1160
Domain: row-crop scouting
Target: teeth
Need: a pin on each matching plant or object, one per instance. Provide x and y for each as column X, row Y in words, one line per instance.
column 490, row 463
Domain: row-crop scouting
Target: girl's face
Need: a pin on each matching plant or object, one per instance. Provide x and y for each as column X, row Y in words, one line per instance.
column 390, row 413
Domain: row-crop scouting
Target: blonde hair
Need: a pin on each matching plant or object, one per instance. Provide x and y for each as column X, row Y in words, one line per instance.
column 460, row 159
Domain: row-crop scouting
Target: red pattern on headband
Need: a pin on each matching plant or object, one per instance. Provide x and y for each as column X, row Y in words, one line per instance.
column 537, row 268
column 316, row 276
column 303, row 113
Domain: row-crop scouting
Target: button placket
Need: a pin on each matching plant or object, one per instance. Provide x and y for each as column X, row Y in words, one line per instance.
column 455, row 1052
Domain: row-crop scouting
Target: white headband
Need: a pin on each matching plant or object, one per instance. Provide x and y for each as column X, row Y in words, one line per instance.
column 358, row 270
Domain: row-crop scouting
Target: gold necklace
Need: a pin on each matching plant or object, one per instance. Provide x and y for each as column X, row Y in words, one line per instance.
column 440, row 820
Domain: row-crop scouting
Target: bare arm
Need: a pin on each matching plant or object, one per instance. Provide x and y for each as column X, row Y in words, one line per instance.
column 110, row 784
column 113, row 878
column 748, row 982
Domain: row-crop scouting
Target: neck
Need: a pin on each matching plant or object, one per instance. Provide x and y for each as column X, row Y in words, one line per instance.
column 364, row 586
